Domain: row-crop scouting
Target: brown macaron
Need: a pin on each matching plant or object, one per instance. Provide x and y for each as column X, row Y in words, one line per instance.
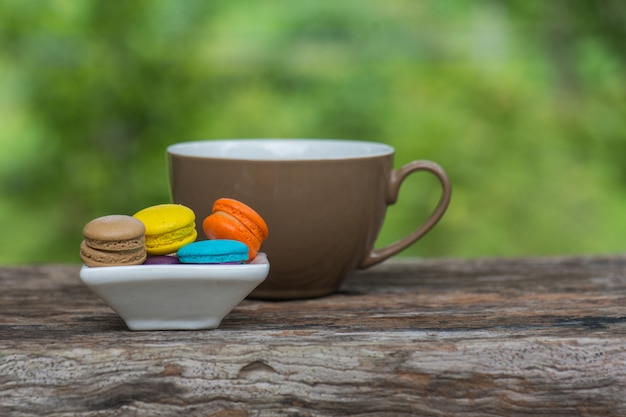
column 113, row 240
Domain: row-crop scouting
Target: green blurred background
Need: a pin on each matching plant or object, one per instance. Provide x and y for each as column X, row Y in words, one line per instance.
column 522, row 102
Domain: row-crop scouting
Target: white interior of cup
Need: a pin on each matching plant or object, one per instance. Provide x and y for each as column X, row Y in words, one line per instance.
column 280, row 149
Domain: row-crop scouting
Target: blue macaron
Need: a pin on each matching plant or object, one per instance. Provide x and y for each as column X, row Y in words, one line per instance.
column 214, row 251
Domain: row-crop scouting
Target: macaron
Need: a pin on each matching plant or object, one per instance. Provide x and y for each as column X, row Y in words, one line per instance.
column 168, row 227
column 113, row 241
column 161, row 260
column 216, row 251
column 232, row 219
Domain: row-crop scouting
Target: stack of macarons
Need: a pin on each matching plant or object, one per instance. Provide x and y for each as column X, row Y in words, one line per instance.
column 113, row 240
column 166, row 234
column 232, row 219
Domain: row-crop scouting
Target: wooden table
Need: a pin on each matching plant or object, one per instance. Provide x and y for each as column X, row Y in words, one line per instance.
column 510, row 337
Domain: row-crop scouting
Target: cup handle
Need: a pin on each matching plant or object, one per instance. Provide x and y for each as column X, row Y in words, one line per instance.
column 397, row 177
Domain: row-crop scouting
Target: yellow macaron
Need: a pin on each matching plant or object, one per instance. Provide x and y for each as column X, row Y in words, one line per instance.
column 168, row 227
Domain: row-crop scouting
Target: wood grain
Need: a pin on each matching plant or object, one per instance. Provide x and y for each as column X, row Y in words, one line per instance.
column 510, row 337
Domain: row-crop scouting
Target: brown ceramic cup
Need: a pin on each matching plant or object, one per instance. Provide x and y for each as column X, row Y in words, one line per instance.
column 324, row 202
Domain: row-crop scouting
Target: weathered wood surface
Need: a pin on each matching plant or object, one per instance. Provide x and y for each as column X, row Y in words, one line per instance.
column 522, row 337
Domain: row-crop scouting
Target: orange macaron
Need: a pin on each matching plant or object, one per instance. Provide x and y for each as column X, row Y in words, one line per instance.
column 232, row 219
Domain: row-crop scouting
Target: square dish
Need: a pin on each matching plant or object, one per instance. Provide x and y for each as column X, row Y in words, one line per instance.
column 175, row 297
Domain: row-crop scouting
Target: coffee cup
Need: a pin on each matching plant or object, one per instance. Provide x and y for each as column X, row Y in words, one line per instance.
column 324, row 202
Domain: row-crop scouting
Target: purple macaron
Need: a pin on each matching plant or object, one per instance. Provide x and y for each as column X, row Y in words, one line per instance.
column 161, row 260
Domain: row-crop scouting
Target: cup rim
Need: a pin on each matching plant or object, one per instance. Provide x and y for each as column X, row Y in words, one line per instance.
column 239, row 149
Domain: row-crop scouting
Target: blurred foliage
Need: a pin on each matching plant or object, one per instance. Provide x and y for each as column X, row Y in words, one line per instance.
column 523, row 102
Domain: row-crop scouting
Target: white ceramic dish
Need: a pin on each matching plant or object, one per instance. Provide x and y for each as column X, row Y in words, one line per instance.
column 175, row 297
